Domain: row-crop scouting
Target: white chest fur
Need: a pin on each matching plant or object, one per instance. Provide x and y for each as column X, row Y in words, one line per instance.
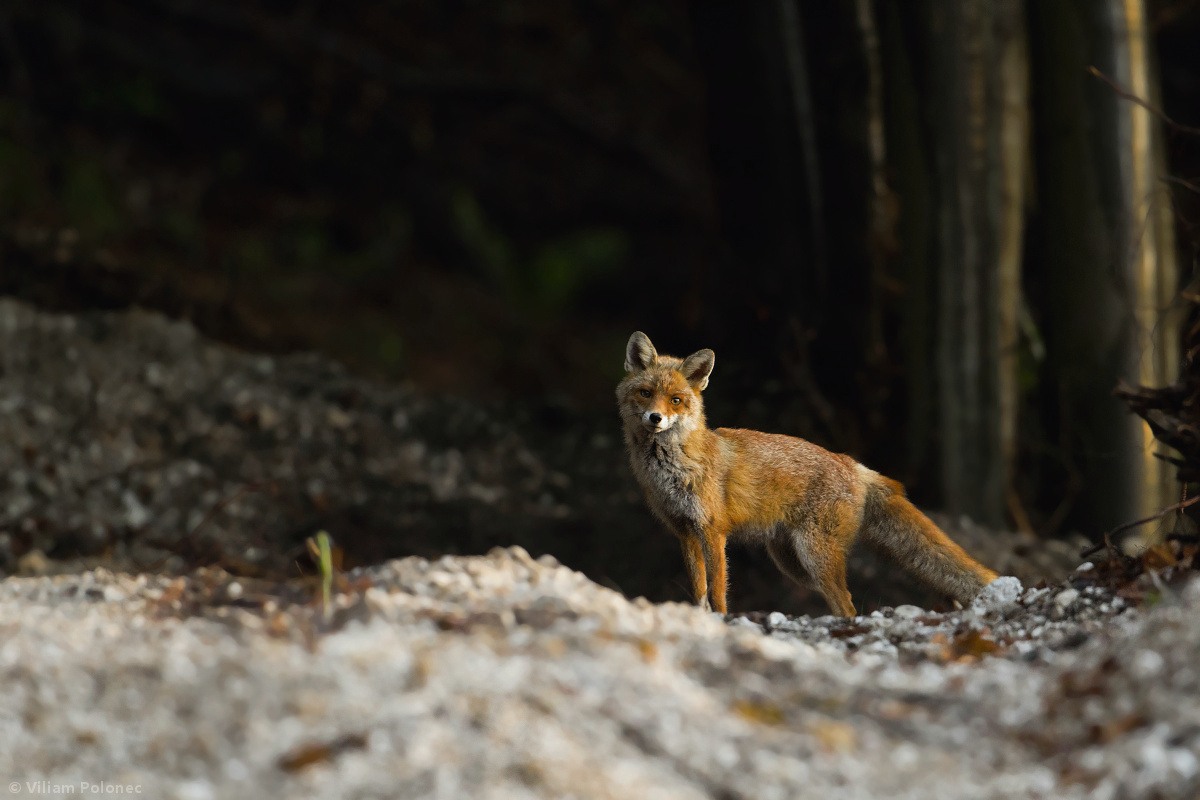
column 669, row 481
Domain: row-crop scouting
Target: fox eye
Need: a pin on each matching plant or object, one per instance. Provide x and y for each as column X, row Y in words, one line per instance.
column 645, row 392
column 675, row 400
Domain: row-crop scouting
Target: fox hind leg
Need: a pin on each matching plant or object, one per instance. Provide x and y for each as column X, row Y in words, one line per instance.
column 782, row 551
column 822, row 563
column 831, row 583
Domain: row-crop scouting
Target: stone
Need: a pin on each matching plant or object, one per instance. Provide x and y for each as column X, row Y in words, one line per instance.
column 998, row 595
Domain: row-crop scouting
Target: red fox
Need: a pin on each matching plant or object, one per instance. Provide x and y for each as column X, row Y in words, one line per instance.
column 806, row 504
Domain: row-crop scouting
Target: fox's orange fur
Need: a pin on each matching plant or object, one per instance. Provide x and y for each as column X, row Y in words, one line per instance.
column 807, row 505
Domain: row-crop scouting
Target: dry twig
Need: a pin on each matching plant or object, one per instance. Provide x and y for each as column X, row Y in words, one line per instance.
column 1133, row 98
column 1096, row 548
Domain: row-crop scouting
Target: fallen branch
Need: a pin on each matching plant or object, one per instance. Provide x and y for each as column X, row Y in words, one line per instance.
column 1096, row 548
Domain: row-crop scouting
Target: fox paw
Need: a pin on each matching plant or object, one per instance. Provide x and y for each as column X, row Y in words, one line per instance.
column 704, row 604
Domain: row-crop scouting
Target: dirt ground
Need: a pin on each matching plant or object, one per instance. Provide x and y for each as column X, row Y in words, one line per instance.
column 131, row 441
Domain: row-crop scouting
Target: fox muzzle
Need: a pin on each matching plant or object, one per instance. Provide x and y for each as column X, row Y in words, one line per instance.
column 656, row 422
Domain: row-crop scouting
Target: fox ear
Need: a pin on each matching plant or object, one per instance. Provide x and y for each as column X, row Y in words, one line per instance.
column 639, row 353
column 697, row 367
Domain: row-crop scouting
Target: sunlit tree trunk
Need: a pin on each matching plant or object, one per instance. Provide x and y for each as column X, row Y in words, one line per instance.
column 1112, row 271
column 1147, row 242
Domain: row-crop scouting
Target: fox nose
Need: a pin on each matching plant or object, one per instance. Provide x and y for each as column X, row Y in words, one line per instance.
column 656, row 418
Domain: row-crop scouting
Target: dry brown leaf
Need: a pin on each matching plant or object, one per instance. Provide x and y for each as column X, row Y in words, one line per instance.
column 763, row 713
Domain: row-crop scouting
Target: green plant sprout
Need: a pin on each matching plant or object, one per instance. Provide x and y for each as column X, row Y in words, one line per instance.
column 322, row 552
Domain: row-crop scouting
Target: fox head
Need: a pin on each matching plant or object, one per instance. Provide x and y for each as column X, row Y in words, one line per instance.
column 662, row 393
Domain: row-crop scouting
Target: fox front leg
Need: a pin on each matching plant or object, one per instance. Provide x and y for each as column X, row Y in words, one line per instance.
column 693, row 559
column 712, row 545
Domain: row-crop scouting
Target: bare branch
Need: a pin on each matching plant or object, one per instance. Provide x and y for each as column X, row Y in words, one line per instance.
column 1162, row 513
column 1133, row 98
column 1184, row 183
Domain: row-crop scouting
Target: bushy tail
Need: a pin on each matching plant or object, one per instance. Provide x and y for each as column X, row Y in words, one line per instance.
column 896, row 527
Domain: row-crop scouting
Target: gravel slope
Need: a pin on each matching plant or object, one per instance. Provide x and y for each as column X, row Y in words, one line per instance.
column 501, row 676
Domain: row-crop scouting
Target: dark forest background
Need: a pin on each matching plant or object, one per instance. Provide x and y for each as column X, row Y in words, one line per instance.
column 924, row 233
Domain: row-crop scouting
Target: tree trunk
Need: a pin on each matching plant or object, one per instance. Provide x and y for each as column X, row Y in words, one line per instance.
column 1148, row 244
column 796, row 58
column 909, row 166
column 1111, row 271
column 978, row 94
